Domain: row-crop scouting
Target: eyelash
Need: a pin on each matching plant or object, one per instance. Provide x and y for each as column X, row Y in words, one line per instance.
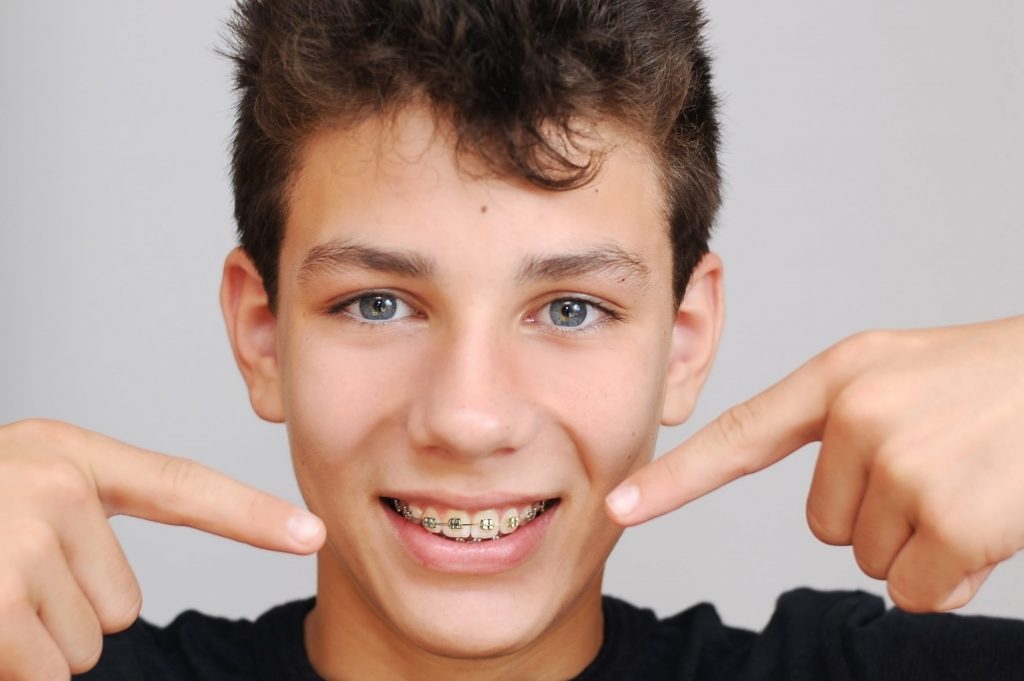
column 339, row 309
column 609, row 316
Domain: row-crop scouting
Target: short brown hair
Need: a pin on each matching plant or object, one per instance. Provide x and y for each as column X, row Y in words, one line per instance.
column 511, row 76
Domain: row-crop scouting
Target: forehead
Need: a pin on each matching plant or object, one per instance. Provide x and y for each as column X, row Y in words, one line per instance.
column 398, row 182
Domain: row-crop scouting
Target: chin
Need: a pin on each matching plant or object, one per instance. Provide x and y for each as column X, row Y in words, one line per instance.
column 474, row 623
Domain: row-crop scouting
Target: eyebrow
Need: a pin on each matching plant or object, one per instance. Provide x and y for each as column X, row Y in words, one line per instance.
column 602, row 260
column 341, row 254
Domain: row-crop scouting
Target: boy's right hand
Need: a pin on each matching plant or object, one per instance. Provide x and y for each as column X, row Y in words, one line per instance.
column 64, row 579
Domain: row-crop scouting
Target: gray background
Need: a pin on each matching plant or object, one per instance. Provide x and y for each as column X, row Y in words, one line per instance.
column 873, row 153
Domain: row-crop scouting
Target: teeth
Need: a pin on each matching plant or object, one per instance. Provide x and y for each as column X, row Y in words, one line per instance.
column 431, row 520
column 456, row 525
column 485, row 525
column 509, row 521
column 460, row 525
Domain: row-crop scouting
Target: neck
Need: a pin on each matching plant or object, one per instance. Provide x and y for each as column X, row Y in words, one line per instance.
column 347, row 639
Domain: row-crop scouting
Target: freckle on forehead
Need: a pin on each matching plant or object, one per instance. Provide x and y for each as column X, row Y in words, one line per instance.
column 483, row 209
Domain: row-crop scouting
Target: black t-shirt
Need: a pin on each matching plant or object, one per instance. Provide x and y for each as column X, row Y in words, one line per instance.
column 812, row 635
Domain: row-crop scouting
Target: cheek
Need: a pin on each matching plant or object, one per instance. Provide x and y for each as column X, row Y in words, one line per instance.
column 338, row 397
column 608, row 400
column 345, row 400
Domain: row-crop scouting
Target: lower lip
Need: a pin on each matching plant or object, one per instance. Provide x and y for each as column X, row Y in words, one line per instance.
column 486, row 557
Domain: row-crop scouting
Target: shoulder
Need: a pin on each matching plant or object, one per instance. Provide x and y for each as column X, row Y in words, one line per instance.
column 852, row 634
column 199, row 646
column 811, row 634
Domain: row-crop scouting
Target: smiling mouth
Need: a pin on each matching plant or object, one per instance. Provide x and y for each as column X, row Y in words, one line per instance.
column 463, row 526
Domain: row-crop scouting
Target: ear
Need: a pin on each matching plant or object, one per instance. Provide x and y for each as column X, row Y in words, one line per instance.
column 695, row 335
column 252, row 329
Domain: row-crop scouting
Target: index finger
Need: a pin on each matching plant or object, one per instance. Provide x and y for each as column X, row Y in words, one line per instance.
column 178, row 491
column 748, row 437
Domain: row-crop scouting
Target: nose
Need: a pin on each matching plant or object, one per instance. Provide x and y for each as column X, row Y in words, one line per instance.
column 471, row 405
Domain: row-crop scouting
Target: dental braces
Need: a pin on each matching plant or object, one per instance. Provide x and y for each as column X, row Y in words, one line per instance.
column 456, row 524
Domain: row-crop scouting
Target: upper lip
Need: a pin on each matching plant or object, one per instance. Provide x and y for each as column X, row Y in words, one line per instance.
column 468, row 501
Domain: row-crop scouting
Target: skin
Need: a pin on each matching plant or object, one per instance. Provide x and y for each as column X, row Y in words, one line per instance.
column 920, row 466
column 473, row 390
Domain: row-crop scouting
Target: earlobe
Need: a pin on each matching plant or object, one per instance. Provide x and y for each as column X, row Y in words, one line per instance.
column 252, row 330
column 695, row 334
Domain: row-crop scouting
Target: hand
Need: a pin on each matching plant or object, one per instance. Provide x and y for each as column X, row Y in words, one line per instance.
column 922, row 455
column 64, row 580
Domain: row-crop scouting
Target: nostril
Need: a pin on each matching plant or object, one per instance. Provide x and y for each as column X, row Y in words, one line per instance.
column 471, row 431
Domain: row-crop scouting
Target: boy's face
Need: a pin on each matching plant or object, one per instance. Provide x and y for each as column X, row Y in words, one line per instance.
column 466, row 343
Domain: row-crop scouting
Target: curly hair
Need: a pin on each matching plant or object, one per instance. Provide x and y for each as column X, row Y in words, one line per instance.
column 513, row 77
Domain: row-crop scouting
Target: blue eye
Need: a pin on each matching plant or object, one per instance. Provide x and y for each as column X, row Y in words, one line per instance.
column 568, row 312
column 376, row 307
column 574, row 315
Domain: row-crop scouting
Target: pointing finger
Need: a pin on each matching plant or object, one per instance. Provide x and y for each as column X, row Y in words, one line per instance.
column 746, row 438
column 179, row 491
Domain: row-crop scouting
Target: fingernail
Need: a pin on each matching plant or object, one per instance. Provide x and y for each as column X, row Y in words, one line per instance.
column 304, row 527
column 623, row 499
column 959, row 597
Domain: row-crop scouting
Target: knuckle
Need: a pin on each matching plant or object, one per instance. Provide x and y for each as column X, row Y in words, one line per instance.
column 87, row 662
column 856, row 348
column 53, row 668
column 960, row 539
column 38, row 660
column 38, row 474
column 929, row 518
column 735, row 426
column 903, row 600
column 897, row 469
column 954, row 532
column 673, row 467
column 259, row 505
column 32, row 428
column 915, row 595
column 47, row 476
column 122, row 614
column 868, row 561
column 937, row 521
column 37, row 543
column 13, row 596
column 91, row 649
column 38, row 430
column 59, row 479
column 861, row 407
column 825, row 527
column 182, row 478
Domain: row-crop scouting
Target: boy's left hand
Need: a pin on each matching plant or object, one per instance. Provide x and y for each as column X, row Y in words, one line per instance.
column 922, row 455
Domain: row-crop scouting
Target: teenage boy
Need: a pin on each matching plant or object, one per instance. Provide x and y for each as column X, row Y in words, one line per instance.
column 473, row 280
